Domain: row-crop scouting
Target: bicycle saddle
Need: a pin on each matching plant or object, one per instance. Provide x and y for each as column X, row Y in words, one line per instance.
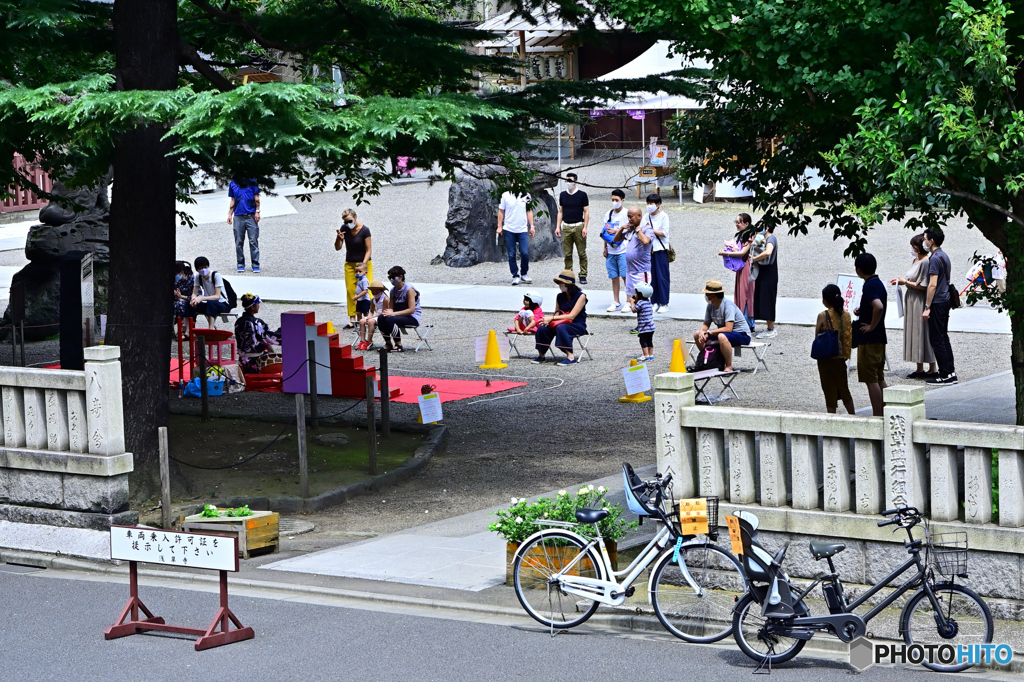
column 822, row 550
column 590, row 515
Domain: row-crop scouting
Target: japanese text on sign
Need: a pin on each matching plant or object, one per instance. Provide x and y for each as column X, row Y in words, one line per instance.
column 850, row 286
column 637, row 379
column 156, row 546
column 430, row 408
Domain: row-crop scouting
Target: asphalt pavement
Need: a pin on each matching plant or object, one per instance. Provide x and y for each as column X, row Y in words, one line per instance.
column 51, row 628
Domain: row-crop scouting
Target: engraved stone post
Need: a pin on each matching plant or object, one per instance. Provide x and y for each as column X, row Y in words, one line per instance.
column 676, row 446
column 1011, row 494
column 78, row 436
column 56, row 420
column 836, row 462
column 711, row 462
column 14, row 417
column 103, row 400
column 977, row 485
column 944, row 486
column 741, row 467
column 906, row 473
column 806, row 476
column 774, row 485
column 35, row 418
column 868, row 462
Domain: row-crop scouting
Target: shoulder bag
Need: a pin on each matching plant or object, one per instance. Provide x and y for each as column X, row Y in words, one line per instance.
column 826, row 344
column 671, row 251
column 607, row 235
column 954, row 294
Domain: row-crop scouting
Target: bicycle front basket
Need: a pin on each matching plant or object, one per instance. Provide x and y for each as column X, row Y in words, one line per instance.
column 710, row 513
column 949, row 553
column 712, row 517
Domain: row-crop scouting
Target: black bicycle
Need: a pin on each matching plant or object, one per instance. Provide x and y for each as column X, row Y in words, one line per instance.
column 771, row 623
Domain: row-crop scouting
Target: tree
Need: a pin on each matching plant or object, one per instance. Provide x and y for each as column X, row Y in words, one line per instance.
column 147, row 86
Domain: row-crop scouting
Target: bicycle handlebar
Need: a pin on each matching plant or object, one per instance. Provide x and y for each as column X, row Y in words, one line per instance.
column 887, row 522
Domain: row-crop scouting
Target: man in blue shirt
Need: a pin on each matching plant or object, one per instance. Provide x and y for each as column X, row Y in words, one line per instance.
column 870, row 328
column 244, row 214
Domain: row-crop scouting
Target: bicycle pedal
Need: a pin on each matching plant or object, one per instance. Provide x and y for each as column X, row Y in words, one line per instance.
column 630, row 591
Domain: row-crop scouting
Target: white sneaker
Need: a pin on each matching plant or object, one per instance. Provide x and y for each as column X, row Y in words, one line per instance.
column 770, row 334
column 527, row 279
column 662, row 308
column 515, row 281
column 627, row 310
column 614, row 308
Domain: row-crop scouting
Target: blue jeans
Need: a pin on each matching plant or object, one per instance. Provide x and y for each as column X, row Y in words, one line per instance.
column 245, row 224
column 210, row 308
column 521, row 239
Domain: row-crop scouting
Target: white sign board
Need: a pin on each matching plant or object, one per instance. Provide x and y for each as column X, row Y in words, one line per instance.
column 156, row 546
column 430, row 408
column 637, row 379
column 850, row 287
column 481, row 348
column 659, row 155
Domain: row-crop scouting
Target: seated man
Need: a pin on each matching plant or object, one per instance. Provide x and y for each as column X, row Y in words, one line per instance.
column 724, row 323
column 254, row 339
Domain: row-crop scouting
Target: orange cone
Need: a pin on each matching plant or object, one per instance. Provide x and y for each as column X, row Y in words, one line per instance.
column 678, row 360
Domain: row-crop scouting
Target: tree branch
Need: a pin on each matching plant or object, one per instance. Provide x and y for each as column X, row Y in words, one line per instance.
column 236, row 17
column 978, row 200
column 191, row 56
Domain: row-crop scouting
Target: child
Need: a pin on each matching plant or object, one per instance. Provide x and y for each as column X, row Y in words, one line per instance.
column 530, row 316
column 368, row 323
column 641, row 305
column 362, row 294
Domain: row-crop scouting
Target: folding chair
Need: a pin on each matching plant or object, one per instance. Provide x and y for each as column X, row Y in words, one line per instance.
column 584, row 341
column 701, row 380
column 422, row 335
column 760, row 350
column 513, row 339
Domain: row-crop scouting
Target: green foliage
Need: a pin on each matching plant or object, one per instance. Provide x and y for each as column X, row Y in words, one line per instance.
column 212, row 512
column 519, row 521
column 209, row 512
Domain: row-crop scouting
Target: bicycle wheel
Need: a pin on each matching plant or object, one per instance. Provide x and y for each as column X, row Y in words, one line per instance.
column 970, row 620
column 746, row 630
column 541, row 558
column 693, row 618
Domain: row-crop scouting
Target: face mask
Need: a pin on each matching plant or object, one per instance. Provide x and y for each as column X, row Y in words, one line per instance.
column 177, row 277
column 651, row 208
column 395, row 281
column 616, row 205
column 571, row 186
column 563, row 288
column 205, row 272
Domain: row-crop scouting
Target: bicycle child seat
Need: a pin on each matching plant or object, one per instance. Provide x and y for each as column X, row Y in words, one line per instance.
column 637, row 494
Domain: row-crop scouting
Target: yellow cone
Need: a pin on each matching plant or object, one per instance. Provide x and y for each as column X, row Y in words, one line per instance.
column 493, row 357
column 678, row 361
column 634, row 397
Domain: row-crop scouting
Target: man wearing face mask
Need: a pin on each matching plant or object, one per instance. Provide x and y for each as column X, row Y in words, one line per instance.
column 571, row 225
column 209, row 296
column 638, row 234
column 615, row 251
column 515, row 222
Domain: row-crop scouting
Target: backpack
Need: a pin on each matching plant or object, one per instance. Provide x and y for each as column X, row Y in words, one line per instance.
column 710, row 358
column 228, row 291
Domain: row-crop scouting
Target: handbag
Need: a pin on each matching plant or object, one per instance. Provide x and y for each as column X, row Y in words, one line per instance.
column 671, row 251
column 826, row 344
column 609, row 225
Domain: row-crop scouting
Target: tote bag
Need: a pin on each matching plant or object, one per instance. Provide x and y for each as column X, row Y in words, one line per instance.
column 826, row 344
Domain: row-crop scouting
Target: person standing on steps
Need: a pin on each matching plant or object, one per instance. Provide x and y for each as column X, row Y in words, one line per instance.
column 244, row 215
column 661, row 281
column 766, row 286
column 871, row 330
column 614, row 252
column 355, row 237
column 937, row 304
column 571, row 225
column 515, row 221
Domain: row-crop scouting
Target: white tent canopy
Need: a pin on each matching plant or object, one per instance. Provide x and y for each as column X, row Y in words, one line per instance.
column 654, row 62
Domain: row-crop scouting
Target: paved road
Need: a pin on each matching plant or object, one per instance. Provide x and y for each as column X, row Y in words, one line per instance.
column 51, row 629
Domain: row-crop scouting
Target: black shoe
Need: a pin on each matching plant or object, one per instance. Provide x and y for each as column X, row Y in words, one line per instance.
column 948, row 379
column 583, row 280
column 539, row 359
column 917, row 375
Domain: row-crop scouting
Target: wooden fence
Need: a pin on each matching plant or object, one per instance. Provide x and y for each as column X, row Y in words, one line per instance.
column 22, row 199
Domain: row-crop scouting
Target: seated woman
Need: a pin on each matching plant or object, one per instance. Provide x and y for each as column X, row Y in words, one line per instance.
column 184, row 284
column 209, row 297
column 404, row 311
column 568, row 321
column 254, row 338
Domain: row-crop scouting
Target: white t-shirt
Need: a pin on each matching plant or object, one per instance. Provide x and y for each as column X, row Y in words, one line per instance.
column 514, row 206
column 207, row 286
column 659, row 222
column 618, row 219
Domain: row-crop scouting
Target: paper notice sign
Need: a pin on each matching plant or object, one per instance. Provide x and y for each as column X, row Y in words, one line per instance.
column 734, row 534
column 850, row 287
column 693, row 504
column 430, row 408
column 637, row 379
column 481, row 348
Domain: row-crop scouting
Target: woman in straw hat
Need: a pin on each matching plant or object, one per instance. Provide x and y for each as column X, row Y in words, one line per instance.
column 567, row 322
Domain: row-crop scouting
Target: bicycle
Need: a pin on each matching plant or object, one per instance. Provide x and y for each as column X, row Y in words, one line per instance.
column 562, row 577
column 777, row 629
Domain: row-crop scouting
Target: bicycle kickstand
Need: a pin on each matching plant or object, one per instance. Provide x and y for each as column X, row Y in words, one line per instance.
column 766, row 662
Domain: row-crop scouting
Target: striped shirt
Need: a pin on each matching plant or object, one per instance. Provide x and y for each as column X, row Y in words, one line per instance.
column 644, row 316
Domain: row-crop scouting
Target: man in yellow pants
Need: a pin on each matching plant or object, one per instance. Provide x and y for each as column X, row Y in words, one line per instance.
column 573, row 216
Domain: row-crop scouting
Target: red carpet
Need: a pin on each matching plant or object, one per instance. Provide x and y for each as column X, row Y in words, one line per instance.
column 450, row 389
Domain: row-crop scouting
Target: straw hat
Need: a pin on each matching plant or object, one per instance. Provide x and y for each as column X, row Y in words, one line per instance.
column 376, row 285
column 566, row 277
column 713, row 286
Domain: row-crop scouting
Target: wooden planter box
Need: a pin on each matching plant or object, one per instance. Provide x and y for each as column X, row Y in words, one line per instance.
column 256, row 532
column 512, row 547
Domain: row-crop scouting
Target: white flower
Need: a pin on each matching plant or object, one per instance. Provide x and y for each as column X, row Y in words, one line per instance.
column 562, row 492
column 602, row 490
column 583, row 491
column 519, row 519
column 515, row 501
column 545, row 515
column 590, row 488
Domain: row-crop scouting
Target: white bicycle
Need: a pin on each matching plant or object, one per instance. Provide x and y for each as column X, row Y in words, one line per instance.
column 561, row 577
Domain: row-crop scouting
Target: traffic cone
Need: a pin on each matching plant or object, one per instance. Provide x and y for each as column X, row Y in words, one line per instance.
column 493, row 358
column 634, row 397
column 678, row 363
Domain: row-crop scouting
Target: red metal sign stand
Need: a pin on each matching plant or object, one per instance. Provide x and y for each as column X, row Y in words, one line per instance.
column 208, row 638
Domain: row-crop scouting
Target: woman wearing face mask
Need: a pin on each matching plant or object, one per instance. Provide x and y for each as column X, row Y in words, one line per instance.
column 355, row 237
column 209, row 296
column 404, row 311
column 567, row 322
column 917, row 347
column 184, row 283
column 660, row 278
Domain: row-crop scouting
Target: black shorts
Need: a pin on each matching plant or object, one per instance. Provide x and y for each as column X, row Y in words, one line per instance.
column 646, row 339
column 363, row 307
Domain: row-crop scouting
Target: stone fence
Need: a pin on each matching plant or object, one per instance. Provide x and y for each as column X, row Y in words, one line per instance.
column 63, row 468
column 830, row 476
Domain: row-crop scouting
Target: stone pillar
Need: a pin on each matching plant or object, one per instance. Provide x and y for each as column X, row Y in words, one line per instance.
column 14, row 417
column 741, row 467
column 867, row 460
column 774, row 485
column 78, row 422
column 56, row 420
column 836, row 462
column 675, row 444
column 906, row 473
column 944, row 498
column 806, row 476
column 103, row 400
column 1011, row 492
column 977, row 485
column 711, row 462
column 35, row 418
